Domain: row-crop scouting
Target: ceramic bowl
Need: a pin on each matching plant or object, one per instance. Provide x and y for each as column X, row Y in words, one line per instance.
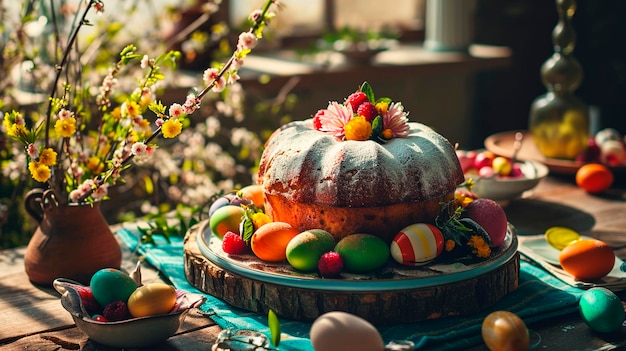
column 507, row 188
column 129, row 333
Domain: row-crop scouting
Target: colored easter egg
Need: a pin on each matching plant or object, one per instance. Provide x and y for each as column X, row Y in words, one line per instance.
column 253, row 192
column 505, row 331
column 110, row 284
column 270, row 241
column 220, row 202
column 341, row 331
column 587, row 259
column 594, row 177
column 417, row 244
column 607, row 134
column 491, row 217
column 305, row 249
column 612, row 153
column 601, row 310
column 362, row 253
column 225, row 219
column 152, row 299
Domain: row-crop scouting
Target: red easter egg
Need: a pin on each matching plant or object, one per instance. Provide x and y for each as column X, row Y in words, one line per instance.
column 417, row 244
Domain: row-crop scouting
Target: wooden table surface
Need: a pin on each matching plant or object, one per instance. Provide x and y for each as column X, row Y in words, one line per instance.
column 32, row 318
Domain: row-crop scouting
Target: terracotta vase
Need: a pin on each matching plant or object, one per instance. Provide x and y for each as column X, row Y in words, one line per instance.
column 71, row 241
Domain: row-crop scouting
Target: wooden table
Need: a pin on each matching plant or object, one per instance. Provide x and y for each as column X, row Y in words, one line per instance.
column 32, row 318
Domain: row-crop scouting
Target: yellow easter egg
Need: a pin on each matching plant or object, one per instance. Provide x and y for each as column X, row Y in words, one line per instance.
column 152, row 299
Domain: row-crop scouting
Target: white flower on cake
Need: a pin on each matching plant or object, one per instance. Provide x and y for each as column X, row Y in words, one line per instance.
column 363, row 117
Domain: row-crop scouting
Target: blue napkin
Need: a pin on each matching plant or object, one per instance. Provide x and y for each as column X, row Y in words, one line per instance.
column 539, row 296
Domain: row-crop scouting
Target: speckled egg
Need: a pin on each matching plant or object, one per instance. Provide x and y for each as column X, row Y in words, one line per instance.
column 226, row 218
column 362, row 253
column 587, row 259
column 110, row 284
column 417, row 244
column 152, row 299
column 341, row 331
column 306, row 248
column 505, row 331
column 601, row 310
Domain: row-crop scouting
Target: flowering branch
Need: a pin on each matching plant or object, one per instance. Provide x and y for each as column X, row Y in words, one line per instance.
column 216, row 80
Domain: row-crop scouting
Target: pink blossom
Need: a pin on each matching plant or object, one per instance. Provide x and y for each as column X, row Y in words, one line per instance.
column 176, row 110
column 209, row 75
column 145, row 61
column 138, row 149
column 32, row 150
column 233, row 77
column 100, row 192
column 64, row 114
column 255, row 16
column 334, row 119
column 396, row 120
column 247, row 40
column 192, row 103
column 219, row 85
column 159, row 122
column 75, row 195
column 237, row 63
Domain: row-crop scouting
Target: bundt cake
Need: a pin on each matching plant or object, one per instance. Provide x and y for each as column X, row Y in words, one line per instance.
column 314, row 176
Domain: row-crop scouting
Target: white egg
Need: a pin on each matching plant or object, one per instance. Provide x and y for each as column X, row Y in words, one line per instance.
column 341, row 331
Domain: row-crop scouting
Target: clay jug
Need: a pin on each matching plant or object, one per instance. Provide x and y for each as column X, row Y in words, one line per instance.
column 71, row 241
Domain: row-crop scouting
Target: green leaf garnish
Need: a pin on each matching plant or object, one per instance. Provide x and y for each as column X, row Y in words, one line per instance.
column 366, row 88
column 274, row 324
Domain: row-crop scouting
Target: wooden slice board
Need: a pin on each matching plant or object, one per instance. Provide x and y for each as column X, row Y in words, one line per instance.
column 378, row 306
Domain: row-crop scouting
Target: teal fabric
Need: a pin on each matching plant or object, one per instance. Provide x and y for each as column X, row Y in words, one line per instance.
column 539, row 296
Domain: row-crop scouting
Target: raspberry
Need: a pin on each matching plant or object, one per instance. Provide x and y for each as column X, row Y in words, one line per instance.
column 116, row 311
column 330, row 264
column 87, row 298
column 367, row 110
column 233, row 244
column 355, row 100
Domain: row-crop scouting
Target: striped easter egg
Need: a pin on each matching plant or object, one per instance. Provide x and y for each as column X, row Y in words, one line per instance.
column 417, row 244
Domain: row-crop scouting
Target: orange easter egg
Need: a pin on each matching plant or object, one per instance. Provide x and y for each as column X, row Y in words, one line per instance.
column 587, row 259
column 594, row 177
column 270, row 241
column 253, row 192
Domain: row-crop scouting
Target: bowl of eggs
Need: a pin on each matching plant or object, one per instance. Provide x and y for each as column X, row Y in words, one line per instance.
column 500, row 178
column 117, row 311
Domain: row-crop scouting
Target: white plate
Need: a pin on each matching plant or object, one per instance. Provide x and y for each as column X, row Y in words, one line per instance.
column 538, row 250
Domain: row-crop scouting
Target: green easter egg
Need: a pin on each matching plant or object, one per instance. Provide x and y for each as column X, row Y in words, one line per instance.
column 109, row 284
column 601, row 310
column 226, row 218
column 362, row 253
column 306, row 248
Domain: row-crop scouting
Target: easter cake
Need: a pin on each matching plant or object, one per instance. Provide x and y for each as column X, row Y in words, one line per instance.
column 359, row 210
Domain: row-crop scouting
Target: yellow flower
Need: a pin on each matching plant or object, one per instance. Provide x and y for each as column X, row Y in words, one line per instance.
column 65, row 127
column 382, row 108
column 131, row 109
column 479, row 246
column 259, row 219
column 387, row 133
column 116, row 114
column 39, row 171
column 358, row 128
column 14, row 130
column 48, row 157
column 95, row 165
column 450, row 244
column 171, row 128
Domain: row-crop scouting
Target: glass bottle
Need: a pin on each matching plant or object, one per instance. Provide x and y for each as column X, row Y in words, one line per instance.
column 559, row 121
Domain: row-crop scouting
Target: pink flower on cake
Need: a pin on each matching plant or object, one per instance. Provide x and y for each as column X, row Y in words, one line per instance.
column 334, row 119
column 395, row 119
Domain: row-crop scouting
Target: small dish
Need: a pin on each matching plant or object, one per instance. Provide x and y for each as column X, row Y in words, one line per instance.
column 508, row 188
column 129, row 333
